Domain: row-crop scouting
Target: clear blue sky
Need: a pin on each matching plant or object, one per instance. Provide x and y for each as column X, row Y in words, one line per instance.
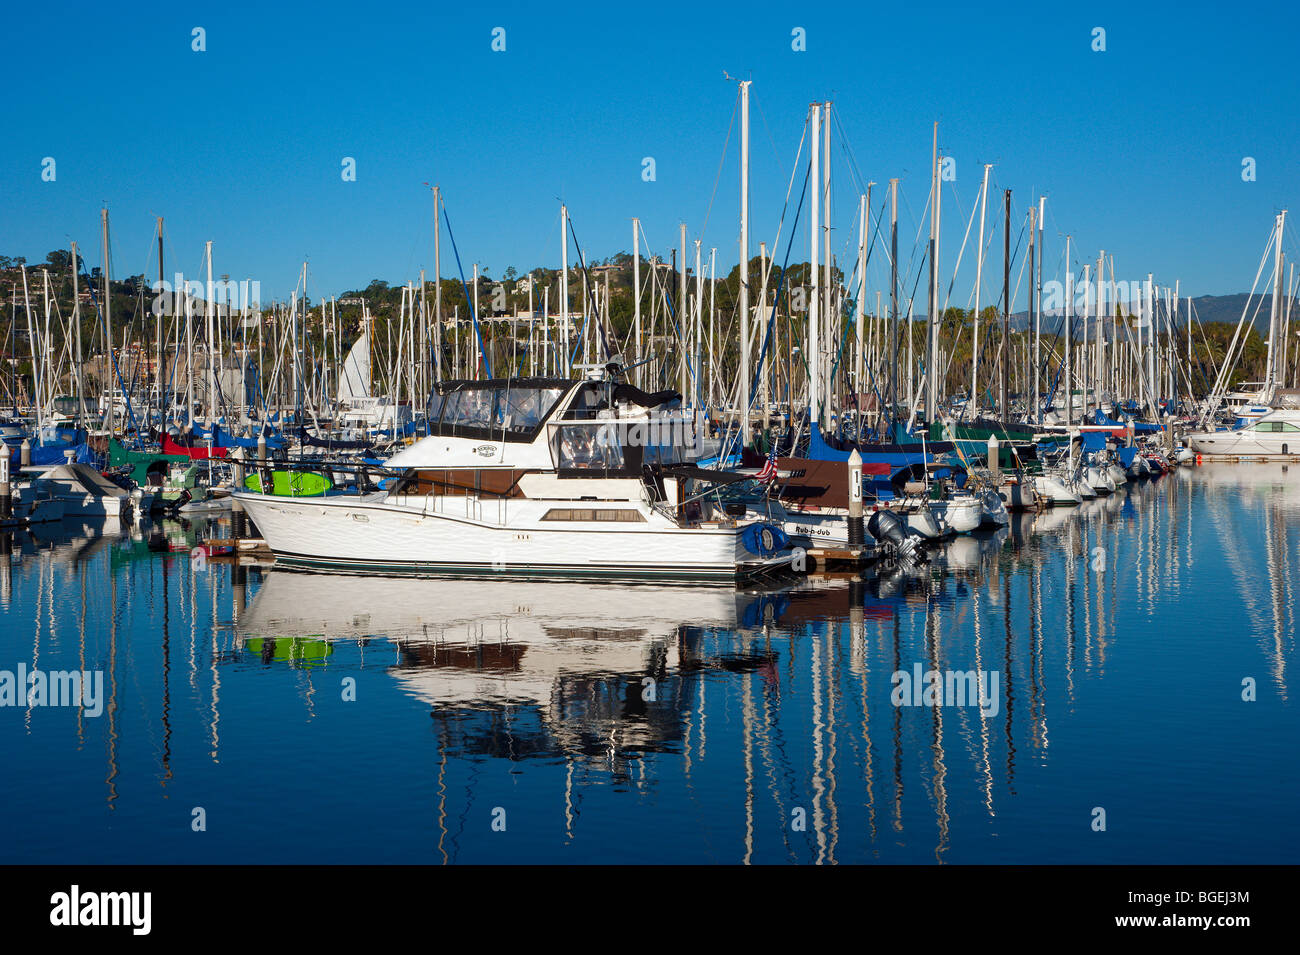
column 1139, row 148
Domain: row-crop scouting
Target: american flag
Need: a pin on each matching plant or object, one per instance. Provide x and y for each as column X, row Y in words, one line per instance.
column 768, row 473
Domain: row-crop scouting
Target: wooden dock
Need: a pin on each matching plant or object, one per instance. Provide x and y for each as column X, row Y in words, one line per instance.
column 240, row 543
column 825, row 557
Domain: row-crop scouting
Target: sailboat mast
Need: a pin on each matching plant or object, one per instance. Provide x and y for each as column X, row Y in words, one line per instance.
column 161, row 370
column 698, row 326
column 1069, row 335
column 637, row 353
column 1099, row 367
column 972, row 402
column 1153, row 396
column 683, row 317
column 1083, row 355
column 108, row 318
column 212, row 367
column 893, row 295
column 932, row 323
column 423, row 376
column 813, row 358
column 743, row 275
column 76, row 323
column 830, row 316
column 189, row 356
column 478, row 359
column 1275, row 312
column 713, row 289
column 1004, row 355
column 437, row 282
column 1033, row 316
column 763, row 366
column 564, row 287
column 1038, row 315
column 861, row 296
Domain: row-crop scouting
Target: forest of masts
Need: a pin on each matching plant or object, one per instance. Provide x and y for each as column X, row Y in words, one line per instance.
column 673, row 322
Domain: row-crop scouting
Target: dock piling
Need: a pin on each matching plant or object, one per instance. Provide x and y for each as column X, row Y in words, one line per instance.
column 856, row 532
column 236, row 508
column 6, row 497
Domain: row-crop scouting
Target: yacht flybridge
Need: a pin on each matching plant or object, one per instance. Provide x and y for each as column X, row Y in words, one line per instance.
column 535, row 477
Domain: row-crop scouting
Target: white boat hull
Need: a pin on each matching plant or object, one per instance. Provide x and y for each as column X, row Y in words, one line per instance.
column 961, row 514
column 451, row 536
column 1055, row 491
column 1252, row 440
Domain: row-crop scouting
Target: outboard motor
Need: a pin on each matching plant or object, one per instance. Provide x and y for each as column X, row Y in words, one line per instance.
column 891, row 532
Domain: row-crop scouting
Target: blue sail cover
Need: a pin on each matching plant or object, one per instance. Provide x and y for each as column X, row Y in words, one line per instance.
column 222, row 438
column 899, row 457
column 227, row 440
column 1139, row 427
column 895, row 455
column 43, row 455
column 1094, row 440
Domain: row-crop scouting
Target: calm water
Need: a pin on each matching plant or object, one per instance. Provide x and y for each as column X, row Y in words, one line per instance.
column 340, row 719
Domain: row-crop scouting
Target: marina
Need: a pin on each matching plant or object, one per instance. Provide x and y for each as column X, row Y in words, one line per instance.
column 632, row 444
column 598, row 568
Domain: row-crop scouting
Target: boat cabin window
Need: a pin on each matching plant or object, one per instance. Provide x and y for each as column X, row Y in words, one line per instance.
column 621, row 444
column 1275, row 427
column 588, row 402
column 594, row 514
column 495, row 409
column 669, row 442
column 523, row 409
column 588, row 446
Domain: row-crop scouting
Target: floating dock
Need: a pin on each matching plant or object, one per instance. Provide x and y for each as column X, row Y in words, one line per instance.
column 827, row 557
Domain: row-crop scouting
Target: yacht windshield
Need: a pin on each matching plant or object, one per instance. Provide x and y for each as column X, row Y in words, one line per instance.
column 510, row 408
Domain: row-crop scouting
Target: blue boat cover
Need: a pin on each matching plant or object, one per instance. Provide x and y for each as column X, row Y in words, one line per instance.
column 54, row 454
column 1094, row 440
column 764, row 539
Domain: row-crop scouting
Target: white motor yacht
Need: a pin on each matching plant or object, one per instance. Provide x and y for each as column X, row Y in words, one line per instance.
column 1276, row 433
column 534, row 477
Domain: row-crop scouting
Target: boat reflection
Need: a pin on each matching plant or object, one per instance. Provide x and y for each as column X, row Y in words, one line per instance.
column 600, row 669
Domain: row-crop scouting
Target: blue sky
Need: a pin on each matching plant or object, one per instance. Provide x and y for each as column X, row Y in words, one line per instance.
column 1139, row 148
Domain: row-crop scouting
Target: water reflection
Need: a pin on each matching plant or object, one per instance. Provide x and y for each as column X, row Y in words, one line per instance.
column 694, row 723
